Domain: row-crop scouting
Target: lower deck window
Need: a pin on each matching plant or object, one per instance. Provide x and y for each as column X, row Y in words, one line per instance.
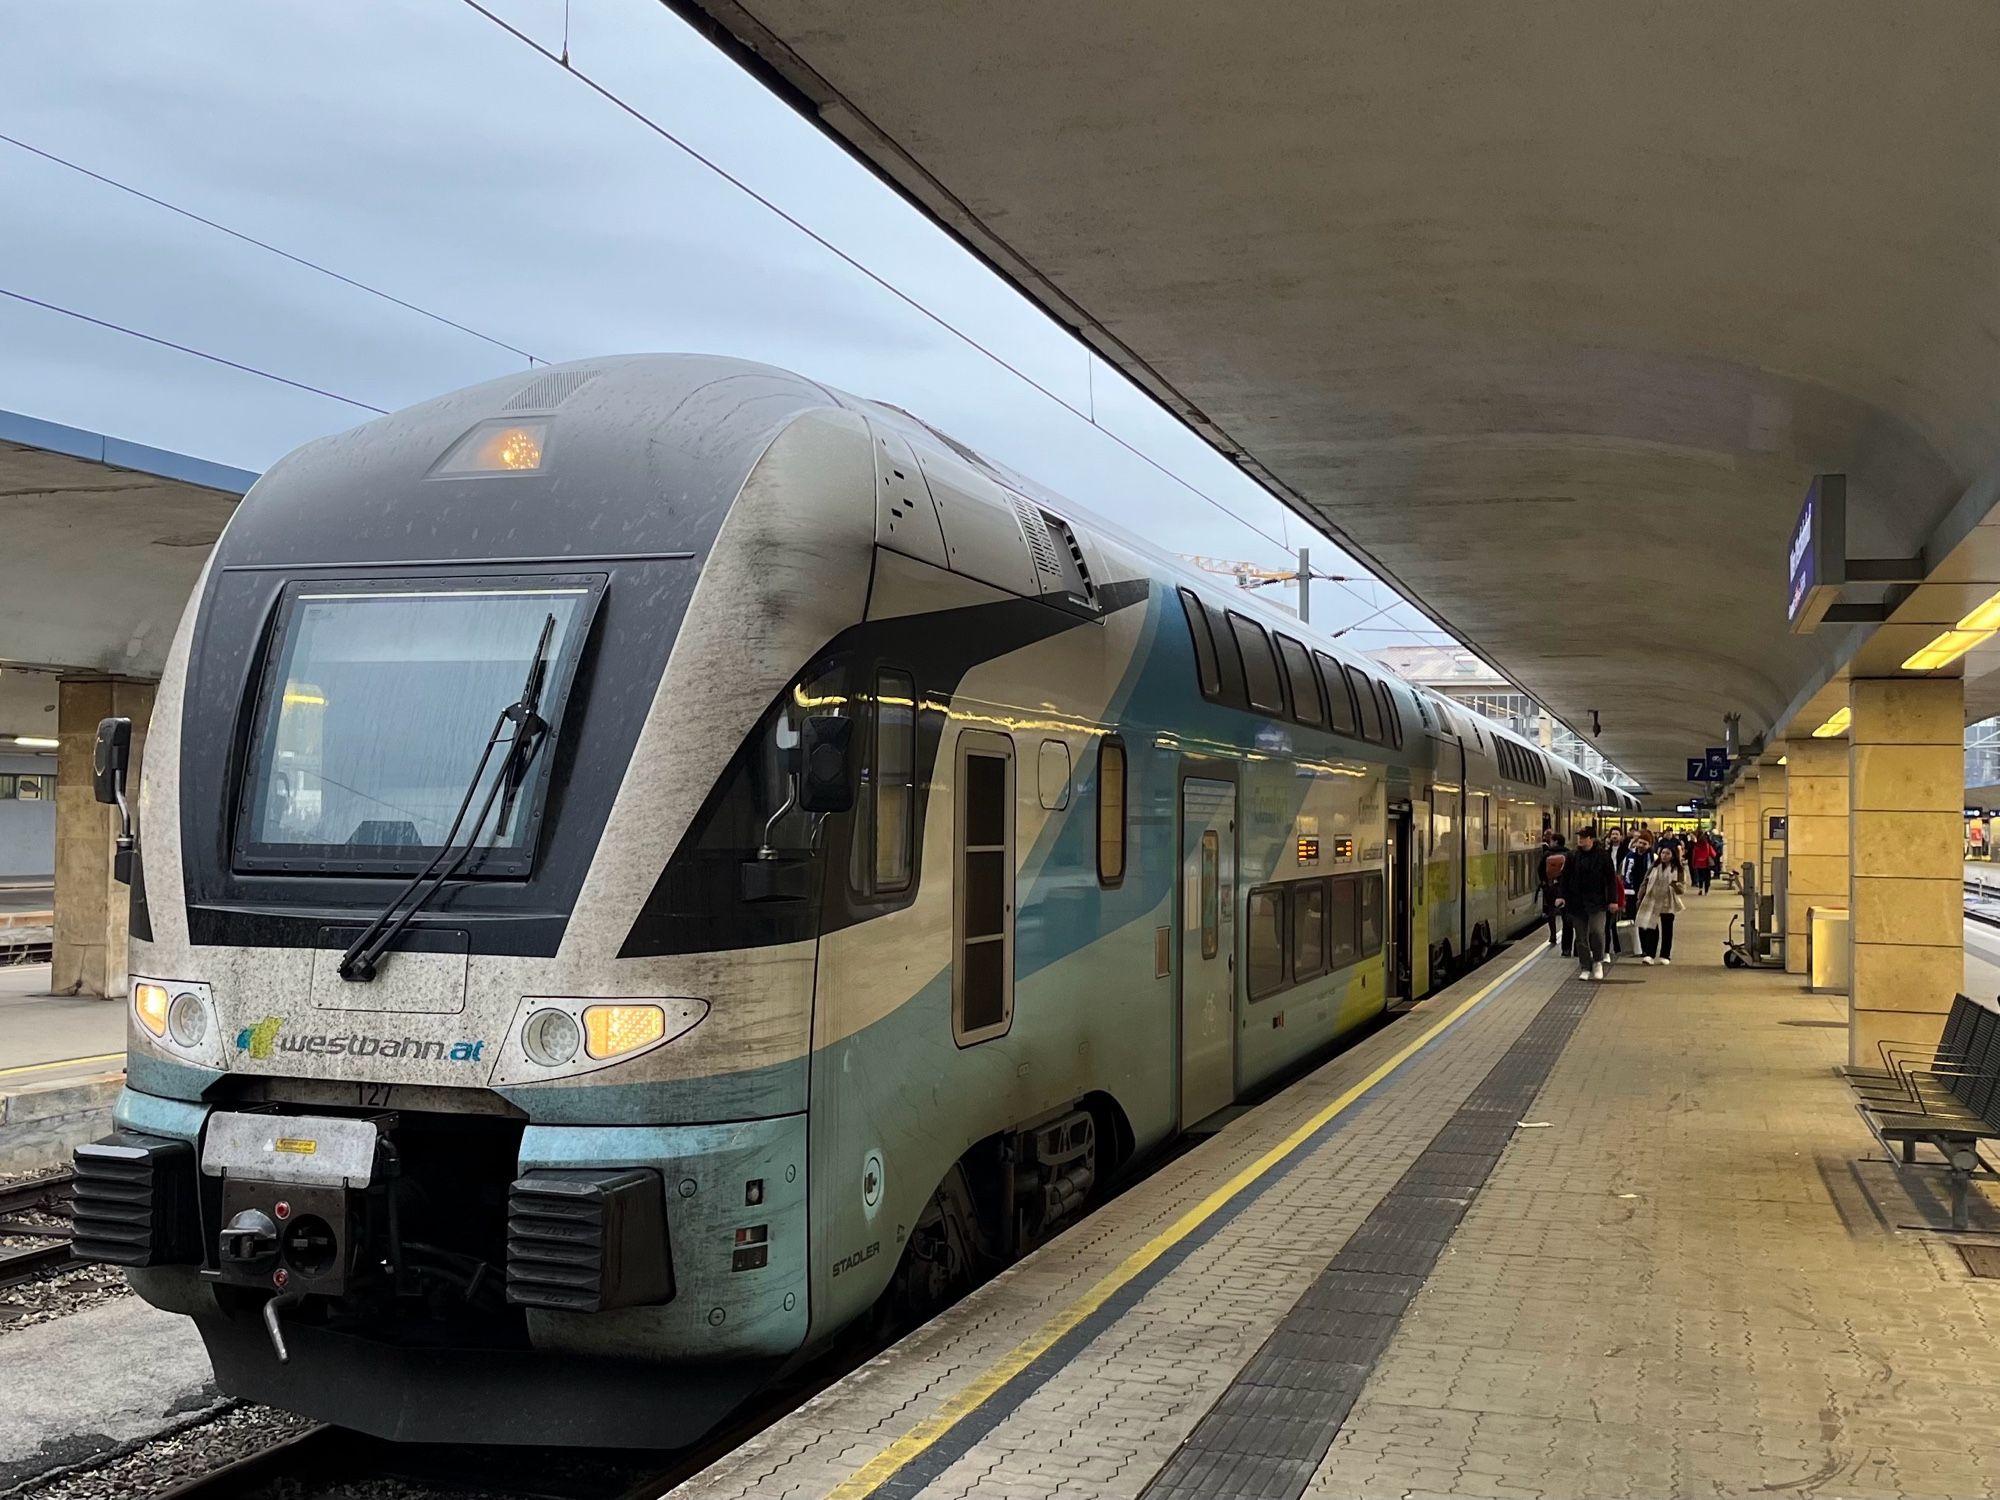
column 1309, row 905
column 1264, row 933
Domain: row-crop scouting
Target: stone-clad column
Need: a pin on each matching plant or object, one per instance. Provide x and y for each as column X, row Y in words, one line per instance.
column 1770, row 806
column 1742, row 836
column 1815, row 837
column 92, row 908
column 1905, row 795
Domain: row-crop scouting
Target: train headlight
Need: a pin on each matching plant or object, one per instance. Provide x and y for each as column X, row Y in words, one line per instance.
column 499, row 448
column 550, row 1037
column 150, row 1004
column 187, row 1019
column 613, row 1030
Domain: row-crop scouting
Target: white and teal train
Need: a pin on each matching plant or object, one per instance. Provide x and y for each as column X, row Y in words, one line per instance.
column 644, row 864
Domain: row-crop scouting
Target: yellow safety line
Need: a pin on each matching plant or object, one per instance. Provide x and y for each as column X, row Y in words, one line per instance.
column 63, row 1062
column 884, row 1465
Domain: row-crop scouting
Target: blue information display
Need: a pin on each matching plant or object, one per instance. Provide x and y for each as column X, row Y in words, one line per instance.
column 1816, row 560
column 1707, row 769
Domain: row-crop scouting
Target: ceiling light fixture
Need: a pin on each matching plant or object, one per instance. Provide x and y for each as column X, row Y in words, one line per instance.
column 1947, row 648
column 1835, row 725
column 36, row 742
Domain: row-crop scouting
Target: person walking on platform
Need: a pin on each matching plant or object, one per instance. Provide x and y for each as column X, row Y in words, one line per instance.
column 1659, row 902
column 1631, row 865
column 1555, row 854
column 1584, row 894
column 1701, row 861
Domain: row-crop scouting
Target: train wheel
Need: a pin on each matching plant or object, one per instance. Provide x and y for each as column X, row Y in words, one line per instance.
column 941, row 1260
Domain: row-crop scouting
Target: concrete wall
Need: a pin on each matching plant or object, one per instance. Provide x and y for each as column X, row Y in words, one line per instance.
column 27, row 828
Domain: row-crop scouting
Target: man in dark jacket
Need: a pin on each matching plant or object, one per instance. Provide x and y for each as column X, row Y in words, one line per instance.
column 1584, row 894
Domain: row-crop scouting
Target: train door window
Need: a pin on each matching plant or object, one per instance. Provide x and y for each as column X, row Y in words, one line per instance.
column 1211, row 895
column 1343, row 923
column 1260, row 665
column 1053, row 769
column 1391, row 716
column 1306, row 705
column 1264, row 937
column 1482, row 814
column 1339, row 697
column 983, row 977
column 1309, row 906
column 1370, row 705
column 891, row 779
column 1371, row 915
column 1111, row 812
column 1204, row 645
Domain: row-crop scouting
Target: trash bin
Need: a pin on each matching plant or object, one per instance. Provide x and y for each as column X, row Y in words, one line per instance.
column 1829, row 956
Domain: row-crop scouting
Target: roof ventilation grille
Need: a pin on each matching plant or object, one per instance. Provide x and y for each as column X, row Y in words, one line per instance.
column 550, row 391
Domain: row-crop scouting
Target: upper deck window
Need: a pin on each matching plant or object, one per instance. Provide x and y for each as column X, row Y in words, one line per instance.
column 377, row 703
column 1260, row 667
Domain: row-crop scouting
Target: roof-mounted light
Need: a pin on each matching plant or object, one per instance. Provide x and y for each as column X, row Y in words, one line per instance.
column 499, row 447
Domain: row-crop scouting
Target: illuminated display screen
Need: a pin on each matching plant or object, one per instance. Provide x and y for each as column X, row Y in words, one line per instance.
column 1343, row 848
column 1308, row 851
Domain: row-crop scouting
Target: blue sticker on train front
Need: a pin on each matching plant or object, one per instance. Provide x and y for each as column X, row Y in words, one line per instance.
column 268, row 1036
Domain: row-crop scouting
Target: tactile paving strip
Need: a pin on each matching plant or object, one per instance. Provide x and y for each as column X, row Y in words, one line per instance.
column 1266, row 1435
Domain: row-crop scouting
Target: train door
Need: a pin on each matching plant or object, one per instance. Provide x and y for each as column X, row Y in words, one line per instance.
column 1404, row 878
column 1207, row 971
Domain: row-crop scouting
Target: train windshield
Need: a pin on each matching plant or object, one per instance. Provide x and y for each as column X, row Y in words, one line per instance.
column 377, row 707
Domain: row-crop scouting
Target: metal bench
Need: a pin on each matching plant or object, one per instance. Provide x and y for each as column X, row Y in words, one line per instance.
column 1945, row 1096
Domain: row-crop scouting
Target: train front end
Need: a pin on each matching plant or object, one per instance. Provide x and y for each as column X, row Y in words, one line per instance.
column 444, row 1119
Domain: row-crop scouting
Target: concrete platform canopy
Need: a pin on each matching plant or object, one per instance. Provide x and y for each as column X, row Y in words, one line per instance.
column 104, row 542
column 1548, row 310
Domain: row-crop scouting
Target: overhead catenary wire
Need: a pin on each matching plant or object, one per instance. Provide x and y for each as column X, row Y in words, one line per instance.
column 618, row 102
column 265, row 245
column 189, row 349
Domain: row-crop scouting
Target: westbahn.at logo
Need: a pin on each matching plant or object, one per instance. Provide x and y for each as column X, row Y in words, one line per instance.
column 267, row 1036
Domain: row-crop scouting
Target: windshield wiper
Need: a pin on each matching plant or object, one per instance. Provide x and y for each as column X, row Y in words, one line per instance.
column 364, row 955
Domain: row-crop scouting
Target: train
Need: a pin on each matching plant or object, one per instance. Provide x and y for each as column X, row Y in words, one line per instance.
column 643, row 867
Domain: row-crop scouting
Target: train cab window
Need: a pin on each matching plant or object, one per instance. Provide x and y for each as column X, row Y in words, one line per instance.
column 1306, row 705
column 1111, row 812
column 1392, row 718
column 375, row 705
column 1370, row 705
column 1371, row 915
column 1260, row 665
column 1339, row 699
column 1053, row 769
column 1343, row 922
column 1264, row 939
column 1206, row 672
column 890, row 779
column 1308, row 929
column 983, row 976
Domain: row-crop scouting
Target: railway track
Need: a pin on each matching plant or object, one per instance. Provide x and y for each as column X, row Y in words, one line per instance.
column 24, row 1206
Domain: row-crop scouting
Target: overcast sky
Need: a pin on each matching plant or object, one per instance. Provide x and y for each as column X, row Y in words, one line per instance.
column 421, row 149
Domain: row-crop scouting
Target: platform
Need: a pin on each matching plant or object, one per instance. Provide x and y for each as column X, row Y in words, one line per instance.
column 1679, row 1270
column 62, row 1060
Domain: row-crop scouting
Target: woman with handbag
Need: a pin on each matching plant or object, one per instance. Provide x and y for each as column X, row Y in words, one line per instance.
column 1659, row 902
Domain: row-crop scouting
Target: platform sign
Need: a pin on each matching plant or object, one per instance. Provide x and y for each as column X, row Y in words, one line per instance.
column 1704, row 769
column 1817, row 556
column 1718, row 755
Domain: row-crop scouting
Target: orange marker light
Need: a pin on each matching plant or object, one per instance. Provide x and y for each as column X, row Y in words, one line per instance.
column 613, row 1030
